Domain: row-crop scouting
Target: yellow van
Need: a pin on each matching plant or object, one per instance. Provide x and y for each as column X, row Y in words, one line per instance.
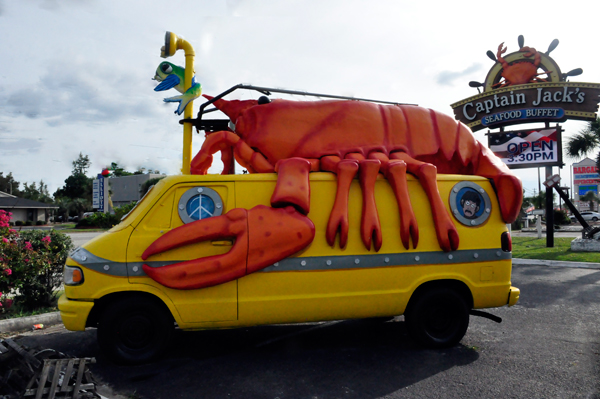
column 106, row 287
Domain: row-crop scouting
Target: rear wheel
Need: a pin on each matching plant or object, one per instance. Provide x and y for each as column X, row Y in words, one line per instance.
column 437, row 318
column 134, row 330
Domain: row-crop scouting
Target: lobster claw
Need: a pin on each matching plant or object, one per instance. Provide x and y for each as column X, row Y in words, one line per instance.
column 263, row 236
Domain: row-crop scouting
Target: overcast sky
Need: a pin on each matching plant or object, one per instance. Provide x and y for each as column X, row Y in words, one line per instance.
column 76, row 75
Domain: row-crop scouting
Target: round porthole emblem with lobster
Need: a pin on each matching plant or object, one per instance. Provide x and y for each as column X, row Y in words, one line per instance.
column 199, row 203
column 470, row 203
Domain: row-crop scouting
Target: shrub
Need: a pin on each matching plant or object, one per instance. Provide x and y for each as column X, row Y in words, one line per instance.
column 560, row 217
column 106, row 220
column 39, row 223
column 31, row 265
column 29, row 223
column 19, row 223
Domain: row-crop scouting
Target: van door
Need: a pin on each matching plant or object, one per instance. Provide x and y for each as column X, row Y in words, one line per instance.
column 181, row 204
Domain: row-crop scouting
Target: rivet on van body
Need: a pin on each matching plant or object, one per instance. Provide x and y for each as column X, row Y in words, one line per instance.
column 135, row 269
column 481, row 190
column 328, row 262
column 106, row 267
column 476, row 255
column 84, row 258
column 417, row 258
column 498, row 253
column 200, row 189
column 455, row 190
column 303, row 263
column 487, row 210
column 218, row 206
column 473, row 222
column 276, row 264
column 387, row 260
column 181, row 206
column 357, row 261
column 450, row 256
column 456, row 211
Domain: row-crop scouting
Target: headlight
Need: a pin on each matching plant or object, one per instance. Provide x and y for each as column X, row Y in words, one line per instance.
column 72, row 275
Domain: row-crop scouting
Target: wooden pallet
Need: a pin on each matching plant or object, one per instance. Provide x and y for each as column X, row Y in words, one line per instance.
column 47, row 378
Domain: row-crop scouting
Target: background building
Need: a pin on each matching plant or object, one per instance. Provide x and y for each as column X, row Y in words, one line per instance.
column 23, row 209
column 126, row 189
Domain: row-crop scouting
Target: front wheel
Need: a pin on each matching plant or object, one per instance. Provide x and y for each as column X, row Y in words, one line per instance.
column 595, row 219
column 134, row 330
column 437, row 318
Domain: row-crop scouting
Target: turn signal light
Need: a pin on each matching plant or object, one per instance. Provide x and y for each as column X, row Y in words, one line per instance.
column 72, row 275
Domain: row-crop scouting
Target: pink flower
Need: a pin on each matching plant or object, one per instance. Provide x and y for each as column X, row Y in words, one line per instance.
column 0, row 294
column 28, row 245
column 26, row 260
column 4, row 239
column 8, row 272
column 46, row 240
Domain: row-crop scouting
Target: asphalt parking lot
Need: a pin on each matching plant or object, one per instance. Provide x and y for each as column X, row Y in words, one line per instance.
column 548, row 346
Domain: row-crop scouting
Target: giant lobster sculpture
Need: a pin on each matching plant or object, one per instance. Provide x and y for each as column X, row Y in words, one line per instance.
column 294, row 138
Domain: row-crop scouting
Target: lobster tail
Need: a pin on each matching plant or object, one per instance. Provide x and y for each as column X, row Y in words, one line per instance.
column 508, row 186
column 232, row 108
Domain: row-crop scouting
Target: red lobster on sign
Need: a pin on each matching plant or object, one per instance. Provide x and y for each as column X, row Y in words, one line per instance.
column 348, row 138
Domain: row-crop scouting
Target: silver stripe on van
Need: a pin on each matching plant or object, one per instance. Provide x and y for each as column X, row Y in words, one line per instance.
column 133, row 269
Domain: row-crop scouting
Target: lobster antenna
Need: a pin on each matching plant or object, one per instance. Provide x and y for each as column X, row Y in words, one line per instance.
column 491, row 55
column 552, row 46
column 521, row 40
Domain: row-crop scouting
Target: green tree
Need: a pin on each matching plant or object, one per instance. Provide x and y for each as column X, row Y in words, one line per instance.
column 81, row 164
column 32, row 192
column 118, row 171
column 77, row 187
column 149, row 183
column 9, row 185
column 585, row 142
column 590, row 197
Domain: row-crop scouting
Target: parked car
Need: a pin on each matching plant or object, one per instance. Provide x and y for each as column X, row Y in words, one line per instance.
column 588, row 215
column 87, row 214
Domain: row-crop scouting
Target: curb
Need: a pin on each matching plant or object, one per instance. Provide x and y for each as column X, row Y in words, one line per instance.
column 555, row 263
column 26, row 323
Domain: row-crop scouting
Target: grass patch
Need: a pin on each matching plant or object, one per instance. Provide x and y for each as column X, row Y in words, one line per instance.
column 534, row 248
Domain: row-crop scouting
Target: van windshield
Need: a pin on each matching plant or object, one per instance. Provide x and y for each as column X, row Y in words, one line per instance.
column 137, row 205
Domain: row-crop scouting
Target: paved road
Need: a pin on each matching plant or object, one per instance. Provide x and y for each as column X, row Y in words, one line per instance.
column 548, row 346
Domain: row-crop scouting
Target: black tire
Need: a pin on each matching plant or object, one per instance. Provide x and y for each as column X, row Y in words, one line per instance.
column 594, row 219
column 437, row 318
column 134, row 330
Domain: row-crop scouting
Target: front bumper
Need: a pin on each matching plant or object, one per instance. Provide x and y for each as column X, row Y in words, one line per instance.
column 513, row 296
column 74, row 314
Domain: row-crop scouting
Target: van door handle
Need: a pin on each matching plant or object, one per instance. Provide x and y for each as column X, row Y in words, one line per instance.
column 222, row 243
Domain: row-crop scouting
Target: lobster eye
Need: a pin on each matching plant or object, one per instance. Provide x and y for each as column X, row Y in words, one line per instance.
column 166, row 68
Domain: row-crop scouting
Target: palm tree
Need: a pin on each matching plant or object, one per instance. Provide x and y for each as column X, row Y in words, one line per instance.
column 585, row 142
column 591, row 197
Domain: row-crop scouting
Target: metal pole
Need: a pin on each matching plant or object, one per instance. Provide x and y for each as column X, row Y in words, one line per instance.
column 549, row 212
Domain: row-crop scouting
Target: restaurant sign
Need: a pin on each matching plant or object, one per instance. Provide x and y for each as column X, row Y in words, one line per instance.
column 528, row 148
column 527, row 86
column 538, row 102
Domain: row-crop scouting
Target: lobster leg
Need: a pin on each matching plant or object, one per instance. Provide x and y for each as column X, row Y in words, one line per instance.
column 338, row 219
column 370, row 226
column 446, row 232
column 395, row 173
